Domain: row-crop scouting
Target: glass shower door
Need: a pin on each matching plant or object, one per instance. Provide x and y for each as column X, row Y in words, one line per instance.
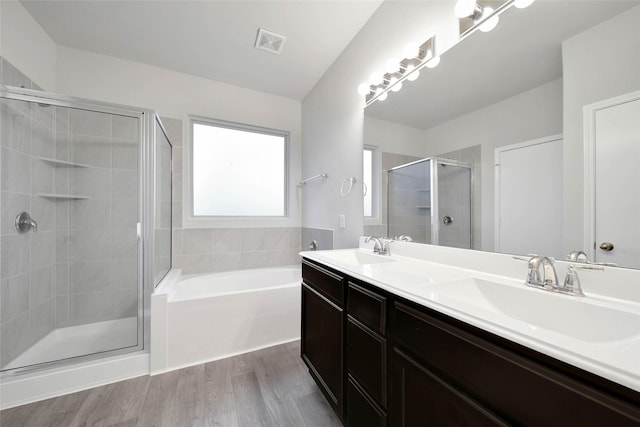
column 453, row 211
column 71, row 287
column 409, row 201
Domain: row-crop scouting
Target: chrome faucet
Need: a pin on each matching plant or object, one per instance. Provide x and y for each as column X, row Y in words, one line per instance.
column 381, row 246
column 404, row 238
column 548, row 279
column 577, row 256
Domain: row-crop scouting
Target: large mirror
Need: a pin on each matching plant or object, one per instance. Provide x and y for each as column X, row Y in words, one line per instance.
column 511, row 103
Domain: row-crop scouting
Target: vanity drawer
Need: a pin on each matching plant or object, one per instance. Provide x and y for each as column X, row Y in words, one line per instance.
column 367, row 307
column 326, row 282
column 367, row 360
column 516, row 388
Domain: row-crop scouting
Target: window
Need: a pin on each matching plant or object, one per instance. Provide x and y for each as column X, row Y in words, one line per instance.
column 367, row 179
column 238, row 170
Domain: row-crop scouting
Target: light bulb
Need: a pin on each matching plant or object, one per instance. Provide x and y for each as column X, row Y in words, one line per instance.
column 376, row 78
column 395, row 84
column 433, row 62
column 363, row 89
column 393, row 65
column 413, row 76
column 383, row 96
column 521, row 4
column 411, row 50
column 465, row 8
column 491, row 23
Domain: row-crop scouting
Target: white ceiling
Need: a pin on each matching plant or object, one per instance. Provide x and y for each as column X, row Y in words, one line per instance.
column 213, row 39
column 523, row 52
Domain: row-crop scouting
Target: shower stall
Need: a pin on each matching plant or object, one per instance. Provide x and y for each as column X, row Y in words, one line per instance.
column 431, row 201
column 85, row 228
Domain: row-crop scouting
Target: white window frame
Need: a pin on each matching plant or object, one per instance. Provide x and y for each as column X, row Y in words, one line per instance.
column 200, row 221
column 375, row 218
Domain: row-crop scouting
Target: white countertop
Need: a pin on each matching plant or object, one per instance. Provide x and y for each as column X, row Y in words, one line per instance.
column 598, row 333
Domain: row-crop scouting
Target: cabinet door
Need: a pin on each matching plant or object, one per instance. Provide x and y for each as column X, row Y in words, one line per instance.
column 322, row 338
column 420, row 398
column 362, row 411
column 367, row 360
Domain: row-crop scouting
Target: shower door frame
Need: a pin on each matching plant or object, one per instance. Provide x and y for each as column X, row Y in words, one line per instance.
column 146, row 209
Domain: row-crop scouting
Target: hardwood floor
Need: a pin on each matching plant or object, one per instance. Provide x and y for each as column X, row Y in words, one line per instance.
column 269, row 387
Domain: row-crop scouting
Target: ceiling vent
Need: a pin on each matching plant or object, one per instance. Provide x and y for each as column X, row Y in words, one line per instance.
column 270, row 41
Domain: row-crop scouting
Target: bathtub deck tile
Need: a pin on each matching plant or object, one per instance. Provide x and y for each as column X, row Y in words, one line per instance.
column 269, row 387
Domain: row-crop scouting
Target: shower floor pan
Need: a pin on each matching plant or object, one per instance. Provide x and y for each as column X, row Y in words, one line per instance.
column 74, row 341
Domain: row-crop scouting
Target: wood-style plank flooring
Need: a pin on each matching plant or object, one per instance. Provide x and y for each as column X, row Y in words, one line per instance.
column 269, row 387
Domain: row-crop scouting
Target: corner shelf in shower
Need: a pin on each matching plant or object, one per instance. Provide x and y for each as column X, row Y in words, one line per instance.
column 63, row 196
column 63, row 163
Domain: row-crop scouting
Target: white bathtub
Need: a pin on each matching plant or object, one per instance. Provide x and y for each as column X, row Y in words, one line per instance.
column 196, row 319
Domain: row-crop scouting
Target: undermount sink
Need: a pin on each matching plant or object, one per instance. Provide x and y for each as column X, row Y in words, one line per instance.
column 575, row 317
column 354, row 257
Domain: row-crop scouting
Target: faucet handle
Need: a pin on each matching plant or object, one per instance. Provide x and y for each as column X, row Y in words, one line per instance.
column 572, row 282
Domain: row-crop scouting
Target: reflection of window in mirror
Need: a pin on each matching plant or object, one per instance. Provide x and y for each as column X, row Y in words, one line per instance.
column 368, row 168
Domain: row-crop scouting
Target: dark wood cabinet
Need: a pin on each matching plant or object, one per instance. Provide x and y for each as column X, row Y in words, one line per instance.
column 517, row 384
column 323, row 332
column 366, row 356
column 421, row 398
column 383, row 360
column 361, row 410
column 367, row 360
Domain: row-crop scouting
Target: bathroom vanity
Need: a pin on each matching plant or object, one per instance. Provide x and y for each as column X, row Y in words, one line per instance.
column 400, row 341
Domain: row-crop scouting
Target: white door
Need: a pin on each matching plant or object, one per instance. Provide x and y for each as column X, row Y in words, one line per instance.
column 529, row 198
column 617, row 184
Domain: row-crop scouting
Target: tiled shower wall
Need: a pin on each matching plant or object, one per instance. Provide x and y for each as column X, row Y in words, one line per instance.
column 409, row 211
column 472, row 155
column 27, row 311
column 204, row 250
column 96, row 250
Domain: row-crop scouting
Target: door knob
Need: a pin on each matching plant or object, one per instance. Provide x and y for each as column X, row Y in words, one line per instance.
column 447, row 220
column 606, row 246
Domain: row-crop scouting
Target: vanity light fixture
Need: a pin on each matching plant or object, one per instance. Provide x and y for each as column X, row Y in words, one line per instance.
column 483, row 15
column 416, row 57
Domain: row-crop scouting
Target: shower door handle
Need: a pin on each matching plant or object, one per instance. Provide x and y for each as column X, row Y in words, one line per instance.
column 447, row 220
column 139, row 231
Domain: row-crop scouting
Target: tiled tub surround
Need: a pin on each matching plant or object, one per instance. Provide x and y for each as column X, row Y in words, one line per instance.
column 206, row 250
column 81, row 265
